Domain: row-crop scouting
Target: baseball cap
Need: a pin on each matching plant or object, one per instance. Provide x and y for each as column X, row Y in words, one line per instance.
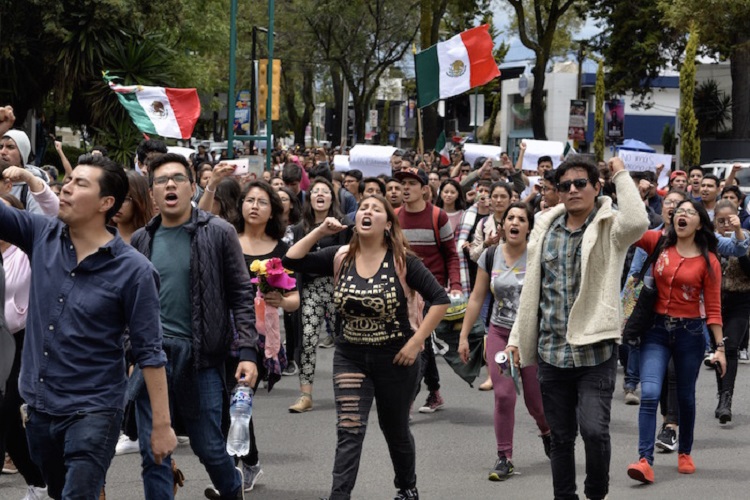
column 412, row 173
column 677, row 173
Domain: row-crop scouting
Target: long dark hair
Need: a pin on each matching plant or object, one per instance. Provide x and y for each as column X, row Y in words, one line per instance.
column 295, row 209
column 396, row 242
column 460, row 199
column 227, row 196
column 308, row 214
column 275, row 226
column 141, row 204
column 704, row 237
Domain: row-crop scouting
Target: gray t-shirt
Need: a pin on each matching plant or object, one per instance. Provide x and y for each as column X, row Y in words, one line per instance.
column 170, row 255
column 505, row 284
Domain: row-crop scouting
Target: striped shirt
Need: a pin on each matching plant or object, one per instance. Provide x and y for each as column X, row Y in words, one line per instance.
column 561, row 281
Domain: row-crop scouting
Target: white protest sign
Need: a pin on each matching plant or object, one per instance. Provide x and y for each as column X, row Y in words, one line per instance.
column 473, row 151
column 371, row 160
column 537, row 149
column 341, row 163
column 638, row 161
column 533, row 181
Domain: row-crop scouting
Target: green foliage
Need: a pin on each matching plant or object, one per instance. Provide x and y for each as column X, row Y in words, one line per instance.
column 690, row 146
column 713, row 109
column 489, row 137
column 668, row 139
column 545, row 26
column 121, row 138
column 385, row 118
column 599, row 114
column 636, row 44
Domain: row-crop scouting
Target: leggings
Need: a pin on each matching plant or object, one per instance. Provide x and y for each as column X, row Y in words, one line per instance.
column 735, row 314
column 316, row 304
column 505, row 394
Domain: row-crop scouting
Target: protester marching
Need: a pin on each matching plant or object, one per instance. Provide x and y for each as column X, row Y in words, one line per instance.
column 148, row 306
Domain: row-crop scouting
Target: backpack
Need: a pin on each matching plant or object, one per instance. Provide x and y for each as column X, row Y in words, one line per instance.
column 414, row 301
column 489, row 262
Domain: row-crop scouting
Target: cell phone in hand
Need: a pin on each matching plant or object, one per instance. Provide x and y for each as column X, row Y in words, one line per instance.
column 241, row 168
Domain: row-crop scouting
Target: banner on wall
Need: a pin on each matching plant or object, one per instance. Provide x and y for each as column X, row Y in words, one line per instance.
column 614, row 121
column 577, row 120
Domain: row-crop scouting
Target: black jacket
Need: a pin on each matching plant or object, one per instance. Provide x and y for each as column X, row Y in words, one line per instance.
column 219, row 284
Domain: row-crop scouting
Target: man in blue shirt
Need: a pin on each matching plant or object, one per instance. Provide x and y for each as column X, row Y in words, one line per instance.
column 87, row 287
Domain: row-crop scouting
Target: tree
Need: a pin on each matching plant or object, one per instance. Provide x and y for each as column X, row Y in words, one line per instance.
column 690, row 146
column 542, row 26
column 363, row 39
column 724, row 26
column 636, row 44
column 599, row 114
column 712, row 109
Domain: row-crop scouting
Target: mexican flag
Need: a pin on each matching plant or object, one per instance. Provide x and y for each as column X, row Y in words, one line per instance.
column 442, row 148
column 160, row 111
column 455, row 66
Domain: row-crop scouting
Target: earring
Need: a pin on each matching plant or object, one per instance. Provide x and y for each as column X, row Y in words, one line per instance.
column 387, row 234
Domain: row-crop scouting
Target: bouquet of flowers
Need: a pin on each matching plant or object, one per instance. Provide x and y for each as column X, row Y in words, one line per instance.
column 270, row 277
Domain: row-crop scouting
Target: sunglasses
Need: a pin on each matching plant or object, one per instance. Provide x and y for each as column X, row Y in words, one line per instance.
column 578, row 183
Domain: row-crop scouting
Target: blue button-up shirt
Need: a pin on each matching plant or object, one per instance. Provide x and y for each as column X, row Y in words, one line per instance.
column 73, row 352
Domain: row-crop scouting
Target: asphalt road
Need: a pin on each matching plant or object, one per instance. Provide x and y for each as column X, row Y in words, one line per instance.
column 455, row 450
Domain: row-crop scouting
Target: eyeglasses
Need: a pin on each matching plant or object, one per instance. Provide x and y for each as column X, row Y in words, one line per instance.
column 686, row 211
column 177, row 178
column 324, row 192
column 262, row 203
column 465, row 171
column 564, row 186
column 670, row 203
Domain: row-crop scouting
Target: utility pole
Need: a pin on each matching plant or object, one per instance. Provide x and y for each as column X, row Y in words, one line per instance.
column 344, row 114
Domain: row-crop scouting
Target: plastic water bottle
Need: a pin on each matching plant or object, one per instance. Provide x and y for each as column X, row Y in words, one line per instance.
column 238, row 441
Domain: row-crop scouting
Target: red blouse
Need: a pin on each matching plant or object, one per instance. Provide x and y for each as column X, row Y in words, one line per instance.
column 680, row 281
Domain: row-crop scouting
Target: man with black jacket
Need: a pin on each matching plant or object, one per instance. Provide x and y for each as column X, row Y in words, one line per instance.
column 203, row 280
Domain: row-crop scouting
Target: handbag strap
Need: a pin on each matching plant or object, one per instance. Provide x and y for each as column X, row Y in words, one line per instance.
column 651, row 258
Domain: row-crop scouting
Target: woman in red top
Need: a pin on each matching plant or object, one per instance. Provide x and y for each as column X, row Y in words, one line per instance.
column 686, row 269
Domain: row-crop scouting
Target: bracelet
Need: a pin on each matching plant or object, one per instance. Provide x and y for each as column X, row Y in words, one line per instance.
column 209, row 190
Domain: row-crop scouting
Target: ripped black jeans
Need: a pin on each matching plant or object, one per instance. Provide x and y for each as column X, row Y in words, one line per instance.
column 360, row 375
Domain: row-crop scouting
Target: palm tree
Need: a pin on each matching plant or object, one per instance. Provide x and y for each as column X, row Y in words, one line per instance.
column 713, row 109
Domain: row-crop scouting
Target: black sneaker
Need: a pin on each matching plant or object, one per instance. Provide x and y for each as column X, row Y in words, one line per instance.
column 666, row 441
column 502, row 471
column 547, row 442
column 408, row 494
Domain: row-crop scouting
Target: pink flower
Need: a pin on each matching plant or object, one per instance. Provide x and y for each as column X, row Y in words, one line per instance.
column 281, row 281
column 274, row 267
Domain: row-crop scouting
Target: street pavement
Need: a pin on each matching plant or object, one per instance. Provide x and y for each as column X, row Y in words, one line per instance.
column 455, row 450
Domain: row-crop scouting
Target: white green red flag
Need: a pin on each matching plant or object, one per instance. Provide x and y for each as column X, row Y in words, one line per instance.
column 160, row 111
column 441, row 146
column 455, row 66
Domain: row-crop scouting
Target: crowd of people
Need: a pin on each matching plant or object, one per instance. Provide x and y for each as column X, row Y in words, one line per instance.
column 134, row 304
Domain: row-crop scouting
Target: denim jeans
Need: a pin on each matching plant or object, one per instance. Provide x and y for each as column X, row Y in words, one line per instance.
column 73, row 451
column 573, row 398
column 683, row 341
column 361, row 375
column 198, row 396
column 632, row 368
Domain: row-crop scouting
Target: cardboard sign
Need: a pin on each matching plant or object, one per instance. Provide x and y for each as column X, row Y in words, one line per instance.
column 473, row 151
column 636, row 161
column 537, row 149
column 371, row 160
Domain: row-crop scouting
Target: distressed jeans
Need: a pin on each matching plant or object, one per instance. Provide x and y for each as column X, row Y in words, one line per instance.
column 362, row 375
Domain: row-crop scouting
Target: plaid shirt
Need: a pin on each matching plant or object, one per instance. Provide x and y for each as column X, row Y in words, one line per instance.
column 561, row 280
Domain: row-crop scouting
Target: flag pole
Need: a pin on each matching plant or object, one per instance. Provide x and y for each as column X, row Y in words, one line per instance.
column 420, row 142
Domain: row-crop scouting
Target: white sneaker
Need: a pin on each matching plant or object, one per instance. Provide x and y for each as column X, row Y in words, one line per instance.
column 744, row 356
column 183, row 440
column 34, row 493
column 125, row 446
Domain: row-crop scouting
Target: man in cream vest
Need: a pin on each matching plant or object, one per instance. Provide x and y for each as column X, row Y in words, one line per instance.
column 569, row 317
